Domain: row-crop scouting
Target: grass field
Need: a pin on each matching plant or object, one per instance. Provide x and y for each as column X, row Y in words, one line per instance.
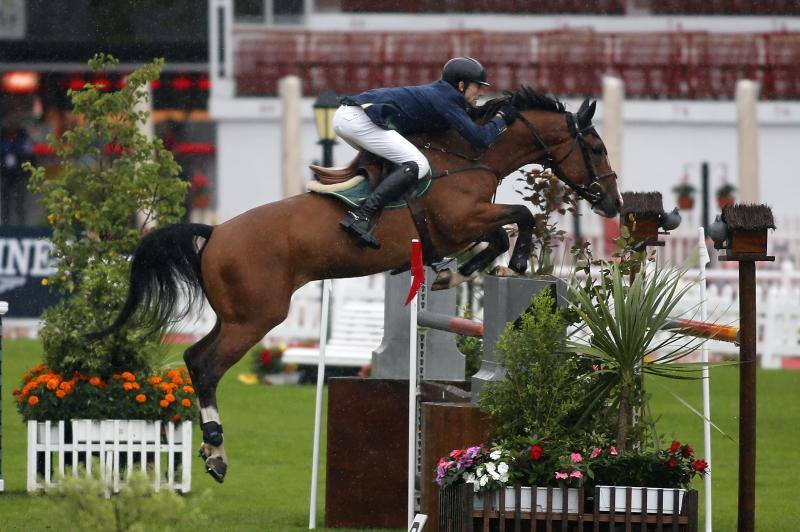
column 269, row 439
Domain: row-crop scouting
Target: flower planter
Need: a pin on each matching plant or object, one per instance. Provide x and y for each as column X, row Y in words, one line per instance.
column 724, row 201
column 115, row 447
column 685, row 203
column 668, row 505
column 510, row 501
column 459, row 512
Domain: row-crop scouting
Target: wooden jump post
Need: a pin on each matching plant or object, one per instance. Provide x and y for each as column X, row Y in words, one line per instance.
column 741, row 235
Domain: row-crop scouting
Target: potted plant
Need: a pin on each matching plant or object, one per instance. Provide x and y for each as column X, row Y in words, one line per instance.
column 725, row 195
column 548, row 195
column 113, row 183
column 685, row 192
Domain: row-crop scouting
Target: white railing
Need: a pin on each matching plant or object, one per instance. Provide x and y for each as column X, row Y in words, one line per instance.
column 116, row 447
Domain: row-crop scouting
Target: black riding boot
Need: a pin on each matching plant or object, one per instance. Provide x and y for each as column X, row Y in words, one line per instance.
column 393, row 186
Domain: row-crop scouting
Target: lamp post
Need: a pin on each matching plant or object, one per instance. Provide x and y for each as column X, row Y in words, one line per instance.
column 324, row 108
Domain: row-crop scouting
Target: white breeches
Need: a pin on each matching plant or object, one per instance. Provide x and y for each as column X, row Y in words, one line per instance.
column 354, row 126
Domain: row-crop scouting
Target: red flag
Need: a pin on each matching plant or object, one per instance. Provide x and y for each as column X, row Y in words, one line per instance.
column 417, row 271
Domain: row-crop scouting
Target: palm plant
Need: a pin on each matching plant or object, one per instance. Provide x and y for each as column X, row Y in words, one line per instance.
column 621, row 322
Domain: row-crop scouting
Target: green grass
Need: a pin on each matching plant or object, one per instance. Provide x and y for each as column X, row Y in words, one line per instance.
column 269, row 442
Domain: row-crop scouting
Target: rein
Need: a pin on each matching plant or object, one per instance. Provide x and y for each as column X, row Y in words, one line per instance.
column 476, row 166
column 576, row 132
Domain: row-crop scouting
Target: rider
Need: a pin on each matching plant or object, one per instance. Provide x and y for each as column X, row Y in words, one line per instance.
column 378, row 120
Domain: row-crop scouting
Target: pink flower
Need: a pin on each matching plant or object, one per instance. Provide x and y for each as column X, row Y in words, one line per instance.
column 575, row 457
column 595, row 367
column 613, row 451
column 596, row 452
column 561, row 475
column 576, row 474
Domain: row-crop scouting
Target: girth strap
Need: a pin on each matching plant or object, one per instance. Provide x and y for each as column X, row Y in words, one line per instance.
column 420, row 216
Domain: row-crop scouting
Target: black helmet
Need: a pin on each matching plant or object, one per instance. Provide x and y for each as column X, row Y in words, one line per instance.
column 464, row 69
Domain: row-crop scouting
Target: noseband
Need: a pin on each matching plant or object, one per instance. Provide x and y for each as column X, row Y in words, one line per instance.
column 586, row 191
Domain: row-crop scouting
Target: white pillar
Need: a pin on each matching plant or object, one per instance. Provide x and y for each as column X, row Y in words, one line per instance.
column 144, row 219
column 746, row 97
column 613, row 96
column 290, row 92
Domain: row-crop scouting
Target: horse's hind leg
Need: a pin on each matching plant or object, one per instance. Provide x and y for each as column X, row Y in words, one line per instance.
column 207, row 368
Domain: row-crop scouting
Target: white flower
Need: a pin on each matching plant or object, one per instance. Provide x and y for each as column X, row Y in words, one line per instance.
column 484, row 480
column 502, row 468
column 495, row 475
column 495, row 454
column 479, row 471
column 475, row 487
column 490, row 467
column 503, row 479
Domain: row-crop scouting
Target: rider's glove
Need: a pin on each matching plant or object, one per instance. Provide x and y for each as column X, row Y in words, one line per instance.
column 508, row 113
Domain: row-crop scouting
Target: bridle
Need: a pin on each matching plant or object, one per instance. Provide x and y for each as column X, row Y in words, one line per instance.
column 592, row 192
column 589, row 191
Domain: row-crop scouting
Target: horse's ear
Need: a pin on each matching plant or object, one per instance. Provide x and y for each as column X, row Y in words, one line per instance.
column 586, row 112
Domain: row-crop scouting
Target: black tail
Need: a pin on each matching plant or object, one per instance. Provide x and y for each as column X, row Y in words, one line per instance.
column 163, row 260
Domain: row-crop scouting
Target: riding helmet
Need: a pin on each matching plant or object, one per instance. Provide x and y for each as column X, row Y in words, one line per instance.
column 464, row 69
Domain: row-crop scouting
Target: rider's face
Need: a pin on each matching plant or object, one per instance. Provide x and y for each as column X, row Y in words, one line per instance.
column 472, row 92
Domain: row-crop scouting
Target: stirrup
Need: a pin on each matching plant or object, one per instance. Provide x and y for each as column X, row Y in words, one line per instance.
column 351, row 222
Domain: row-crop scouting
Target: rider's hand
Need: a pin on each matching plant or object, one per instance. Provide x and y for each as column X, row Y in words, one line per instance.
column 508, row 113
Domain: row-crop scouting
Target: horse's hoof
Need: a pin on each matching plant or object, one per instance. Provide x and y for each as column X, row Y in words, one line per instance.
column 443, row 280
column 216, row 468
column 502, row 271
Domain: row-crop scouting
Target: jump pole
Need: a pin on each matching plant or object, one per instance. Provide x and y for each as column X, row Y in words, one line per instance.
column 323, row 340
column 417, row 279
column 3, row 310
column 703, row 260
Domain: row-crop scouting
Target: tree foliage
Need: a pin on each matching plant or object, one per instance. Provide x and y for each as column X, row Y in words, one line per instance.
column 111, row 183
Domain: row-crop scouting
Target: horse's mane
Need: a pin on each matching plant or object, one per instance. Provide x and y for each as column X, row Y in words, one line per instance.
column 524, row 99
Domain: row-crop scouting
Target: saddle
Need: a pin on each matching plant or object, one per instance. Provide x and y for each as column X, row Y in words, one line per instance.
column 365, row 164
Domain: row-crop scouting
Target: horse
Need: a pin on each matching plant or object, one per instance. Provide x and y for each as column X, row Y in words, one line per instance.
column 248, row 267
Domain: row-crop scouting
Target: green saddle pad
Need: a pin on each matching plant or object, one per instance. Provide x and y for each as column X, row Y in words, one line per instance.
column 355, row 196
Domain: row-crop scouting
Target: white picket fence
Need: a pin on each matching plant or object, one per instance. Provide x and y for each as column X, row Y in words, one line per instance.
column 115, row 447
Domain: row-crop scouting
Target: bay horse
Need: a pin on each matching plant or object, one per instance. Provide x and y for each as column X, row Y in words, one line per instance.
column 249, row 266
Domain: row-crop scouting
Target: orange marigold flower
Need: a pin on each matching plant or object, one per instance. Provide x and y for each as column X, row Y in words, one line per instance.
column 164, row 403
column 127, row 386
column 165, row 387
column 116, row 376
column 155, row 380
column 38, row 368
column 53, row 383
column 128, row 376
column 187, row 403
column 32, row 400
column 173, row 374
column 16, row 391
column 175, row 418
column 95, row 381
column 141, row 398
column 188, row 389
column 61, row 394
column 169, row 397
column 134, row 385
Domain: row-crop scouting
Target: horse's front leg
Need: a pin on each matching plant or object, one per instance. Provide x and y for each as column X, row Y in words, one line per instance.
column 522, row 248
column 497, row 244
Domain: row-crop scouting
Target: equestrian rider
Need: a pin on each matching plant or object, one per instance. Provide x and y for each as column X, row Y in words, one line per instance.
column 379, row 119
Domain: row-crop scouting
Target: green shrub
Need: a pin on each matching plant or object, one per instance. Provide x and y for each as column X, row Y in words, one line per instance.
column 136, row 508
column 110, row 174
column 545, row 387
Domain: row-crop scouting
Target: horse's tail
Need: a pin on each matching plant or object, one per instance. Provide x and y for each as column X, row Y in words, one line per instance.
column 163, row 260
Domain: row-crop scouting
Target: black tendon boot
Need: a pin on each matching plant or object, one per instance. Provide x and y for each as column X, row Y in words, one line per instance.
column 357, row 222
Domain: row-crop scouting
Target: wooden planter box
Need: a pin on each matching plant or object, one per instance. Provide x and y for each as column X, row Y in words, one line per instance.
column 116, row 447
column 457, row 512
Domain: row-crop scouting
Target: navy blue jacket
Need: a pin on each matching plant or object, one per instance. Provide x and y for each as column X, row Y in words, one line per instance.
column 430, row 108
